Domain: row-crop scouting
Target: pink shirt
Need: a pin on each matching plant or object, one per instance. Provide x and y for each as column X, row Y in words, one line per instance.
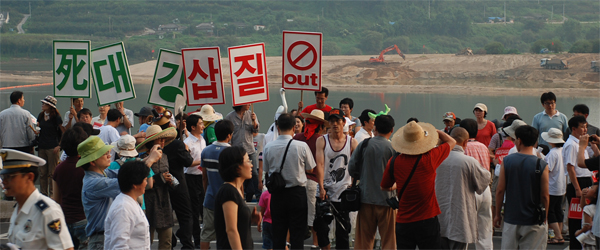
column 478, row 151
column 265, row 202
column 485, row 134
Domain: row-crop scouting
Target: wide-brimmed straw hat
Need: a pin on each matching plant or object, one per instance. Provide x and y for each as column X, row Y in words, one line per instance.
column 415, row 138
column 510, row 130
column 125, row 146
column 553, row 135
column 155, row 132
column 208, row 113
column 50, row 101
column 91, row 149
column 315, row 114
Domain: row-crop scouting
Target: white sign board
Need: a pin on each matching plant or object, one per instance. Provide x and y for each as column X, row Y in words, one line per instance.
column 110, row 72
column 203, row 76
column 168, row 81
column 71, row 69
column 302, row 60
column 248, row 68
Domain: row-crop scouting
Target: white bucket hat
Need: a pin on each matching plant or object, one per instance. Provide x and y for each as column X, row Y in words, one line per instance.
column 125, row 146
column 553, row 135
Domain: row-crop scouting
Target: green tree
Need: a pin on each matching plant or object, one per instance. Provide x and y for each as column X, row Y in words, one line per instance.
column 571, row 30
column 331, row 48
column 581, row 46
column 371, row 42
column 528, row 36
column 403, row 42
column 533, row 24
column 494, row 48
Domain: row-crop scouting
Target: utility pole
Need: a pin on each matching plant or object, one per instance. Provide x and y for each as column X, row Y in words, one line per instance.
column 429, row 9
column 484, row 12
column 552, row 14
column 563, row 12
column 29, row 9
column 504, row 13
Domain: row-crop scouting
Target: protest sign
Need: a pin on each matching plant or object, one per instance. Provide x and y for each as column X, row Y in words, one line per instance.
column 110, row 71
column 575, row 211
column 248, row 68
column 203, row 76
column 302, row 60
column 71, row 68
column 168, row 81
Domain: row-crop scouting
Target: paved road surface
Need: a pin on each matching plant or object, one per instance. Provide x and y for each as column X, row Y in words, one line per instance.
column 20, row 25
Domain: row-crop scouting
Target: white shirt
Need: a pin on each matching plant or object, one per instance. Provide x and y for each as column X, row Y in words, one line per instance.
column 40, row 224
column 126, row 226
column 66, row 120
column 121, row 127
column 570, row 149
column 97, row 122
column 196, row 145
column 558, row 181
column 361, row 135
column 109, row 134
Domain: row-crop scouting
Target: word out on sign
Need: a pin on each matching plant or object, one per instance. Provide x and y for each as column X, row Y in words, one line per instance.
column 203, row 77
column 302, row 60
column 168, row 81
column 111, row 74
column 72, row 69
column 248, row 70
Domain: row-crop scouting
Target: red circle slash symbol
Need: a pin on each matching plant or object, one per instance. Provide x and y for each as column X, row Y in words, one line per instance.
column 294, row 62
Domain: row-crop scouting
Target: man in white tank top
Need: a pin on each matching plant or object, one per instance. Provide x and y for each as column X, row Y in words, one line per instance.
column 333, row 154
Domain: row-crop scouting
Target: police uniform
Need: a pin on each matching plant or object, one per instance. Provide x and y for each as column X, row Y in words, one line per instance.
column 39, row 223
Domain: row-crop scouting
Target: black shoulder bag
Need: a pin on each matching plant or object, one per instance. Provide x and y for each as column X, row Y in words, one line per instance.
column 393, row 202
column 540, row 209
column 351, row 196
column 275, row 181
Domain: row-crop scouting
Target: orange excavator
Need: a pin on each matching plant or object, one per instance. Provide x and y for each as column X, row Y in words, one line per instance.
column 388, row 49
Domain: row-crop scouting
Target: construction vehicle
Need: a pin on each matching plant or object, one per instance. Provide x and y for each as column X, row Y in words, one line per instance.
column 388, row 49
column 465, row 52
column 595, row 66
column 548, row 63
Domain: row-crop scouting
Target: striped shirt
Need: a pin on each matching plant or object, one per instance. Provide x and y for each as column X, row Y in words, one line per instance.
column 478, row 151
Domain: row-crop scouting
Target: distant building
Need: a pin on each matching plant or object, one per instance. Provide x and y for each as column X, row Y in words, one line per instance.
column 259, row 27
column 239, row 25
column 290, row 20
column 170, row 27
column 4, row 17
column 206, row 27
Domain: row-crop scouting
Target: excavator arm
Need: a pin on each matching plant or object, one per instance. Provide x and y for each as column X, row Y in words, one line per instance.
column 388, row 49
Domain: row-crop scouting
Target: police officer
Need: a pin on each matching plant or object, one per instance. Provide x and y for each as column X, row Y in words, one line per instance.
column 37, row 221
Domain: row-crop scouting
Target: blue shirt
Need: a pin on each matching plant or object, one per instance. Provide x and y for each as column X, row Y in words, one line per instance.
column 543, row 122
column 97, row 194
column 143, row 127
column 210, row 161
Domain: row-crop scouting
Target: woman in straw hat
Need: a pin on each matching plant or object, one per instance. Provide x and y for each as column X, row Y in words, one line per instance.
column 158, row 207
column 416, row 220
column 51, row 130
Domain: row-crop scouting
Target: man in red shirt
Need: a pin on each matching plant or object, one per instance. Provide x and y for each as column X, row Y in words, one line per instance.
column 416, row 221
column 321, row 97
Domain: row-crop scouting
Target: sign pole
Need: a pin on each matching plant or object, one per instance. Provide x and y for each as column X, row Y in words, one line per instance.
column 301, row 95
column 252, row 107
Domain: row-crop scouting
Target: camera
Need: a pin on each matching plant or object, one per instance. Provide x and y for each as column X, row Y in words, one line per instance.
column 323, row 210
column 393, row 202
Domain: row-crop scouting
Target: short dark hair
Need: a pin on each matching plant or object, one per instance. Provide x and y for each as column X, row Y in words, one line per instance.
column 71, row 139
column 348, row 101
column 548, row 96
column 113, row 115
column 323, row 91
column 384, row 124
column 192, row 120
column 132, row 173
column 364, row 116
column 527, row 134
column 575, row 121
column 223, row 128
column 15, row 96
column 286, row 122
column 237, row 108
column 86, row 166
column 230, row 160
column 85, row 111
column 34, row 170
column 412, row 119
column 470, row 125
column 87, row 128
column 581, row 108
column 75, row 99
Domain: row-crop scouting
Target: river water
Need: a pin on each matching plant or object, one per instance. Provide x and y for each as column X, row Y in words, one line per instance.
column 426, row 107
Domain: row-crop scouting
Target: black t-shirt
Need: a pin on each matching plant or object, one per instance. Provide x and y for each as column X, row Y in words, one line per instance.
column 227, row 193
column 50, row 132
column 593, row 163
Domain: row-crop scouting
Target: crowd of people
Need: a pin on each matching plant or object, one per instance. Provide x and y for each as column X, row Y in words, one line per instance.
column 104, row 187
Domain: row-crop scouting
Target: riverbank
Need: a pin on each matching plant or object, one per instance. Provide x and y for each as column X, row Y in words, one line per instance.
column 428, row 73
